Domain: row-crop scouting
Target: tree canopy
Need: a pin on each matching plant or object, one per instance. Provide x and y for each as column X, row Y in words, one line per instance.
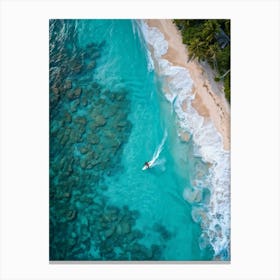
column 209, row 40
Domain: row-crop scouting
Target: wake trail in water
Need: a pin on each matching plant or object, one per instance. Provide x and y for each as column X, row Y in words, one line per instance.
column 158, row 150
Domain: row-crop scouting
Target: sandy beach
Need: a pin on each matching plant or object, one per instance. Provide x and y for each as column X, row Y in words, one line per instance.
column 209, row 97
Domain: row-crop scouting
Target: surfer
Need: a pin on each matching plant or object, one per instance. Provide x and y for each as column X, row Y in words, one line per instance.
column 147, row 164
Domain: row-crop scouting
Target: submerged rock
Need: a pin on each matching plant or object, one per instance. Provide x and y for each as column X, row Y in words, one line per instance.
column 55, row 90
column 75, row 137
column 116, row 143
column 74, row 106
column 64, row 139
column 156, row 252
column 113, row 210
column 98, row 201
column 68, row 84
column 113, row 111
column 99, row 120
column 87, row 200
column 84, row 163
column 72, row 242
column 125, row 227
column 122, row 124
column 95, row 55
column 83, row 149
column 97, row 209
column 93, row 139
column 81, row 130
column 84, row 101
column 91, row 65
column 165, row 234
column 91, row 46
column 103, row 187
column 89, row 166
column 67, row 117
column 71, row 215
column 70, row 95
column 77, row 92
column 77, row 66
column 184, row 136
column 80, row 120
column 67, row 195
column 67, row 131
column 120, row 97
column 109, row 232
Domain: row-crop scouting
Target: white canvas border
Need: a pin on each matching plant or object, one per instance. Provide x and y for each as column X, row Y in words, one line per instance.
column 24, row 138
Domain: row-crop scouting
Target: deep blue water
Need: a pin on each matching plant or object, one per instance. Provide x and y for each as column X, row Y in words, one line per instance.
column 108, row 115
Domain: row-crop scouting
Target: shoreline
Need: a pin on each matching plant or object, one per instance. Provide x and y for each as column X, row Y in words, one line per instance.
column 209, row 101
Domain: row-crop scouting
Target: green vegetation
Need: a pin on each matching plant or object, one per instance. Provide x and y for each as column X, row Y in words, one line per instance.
column 209, row 40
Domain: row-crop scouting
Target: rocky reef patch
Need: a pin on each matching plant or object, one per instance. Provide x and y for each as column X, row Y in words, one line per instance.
column 89, row 126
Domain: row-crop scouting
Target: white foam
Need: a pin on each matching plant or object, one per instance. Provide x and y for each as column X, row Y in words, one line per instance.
column 214, row 217
column 158, row 150
column 137, row 26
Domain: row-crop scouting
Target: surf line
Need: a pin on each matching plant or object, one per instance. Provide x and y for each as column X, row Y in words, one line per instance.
column 156, row 154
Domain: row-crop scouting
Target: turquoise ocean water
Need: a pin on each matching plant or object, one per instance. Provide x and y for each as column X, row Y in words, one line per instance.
column 109, row 115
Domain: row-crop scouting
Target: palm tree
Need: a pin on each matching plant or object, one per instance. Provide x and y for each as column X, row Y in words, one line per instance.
column 212, row 54
column 196, row 49
column 210, row 31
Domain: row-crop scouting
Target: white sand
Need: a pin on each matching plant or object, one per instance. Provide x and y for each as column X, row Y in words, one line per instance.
column 209, row 96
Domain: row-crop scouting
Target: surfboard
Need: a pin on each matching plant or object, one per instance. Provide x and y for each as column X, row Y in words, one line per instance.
column 144, row 167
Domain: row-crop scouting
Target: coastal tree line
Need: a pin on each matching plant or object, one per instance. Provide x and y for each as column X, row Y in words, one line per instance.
column 209, row 40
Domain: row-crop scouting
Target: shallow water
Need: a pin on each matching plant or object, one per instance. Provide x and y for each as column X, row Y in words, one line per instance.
column 108, row 115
